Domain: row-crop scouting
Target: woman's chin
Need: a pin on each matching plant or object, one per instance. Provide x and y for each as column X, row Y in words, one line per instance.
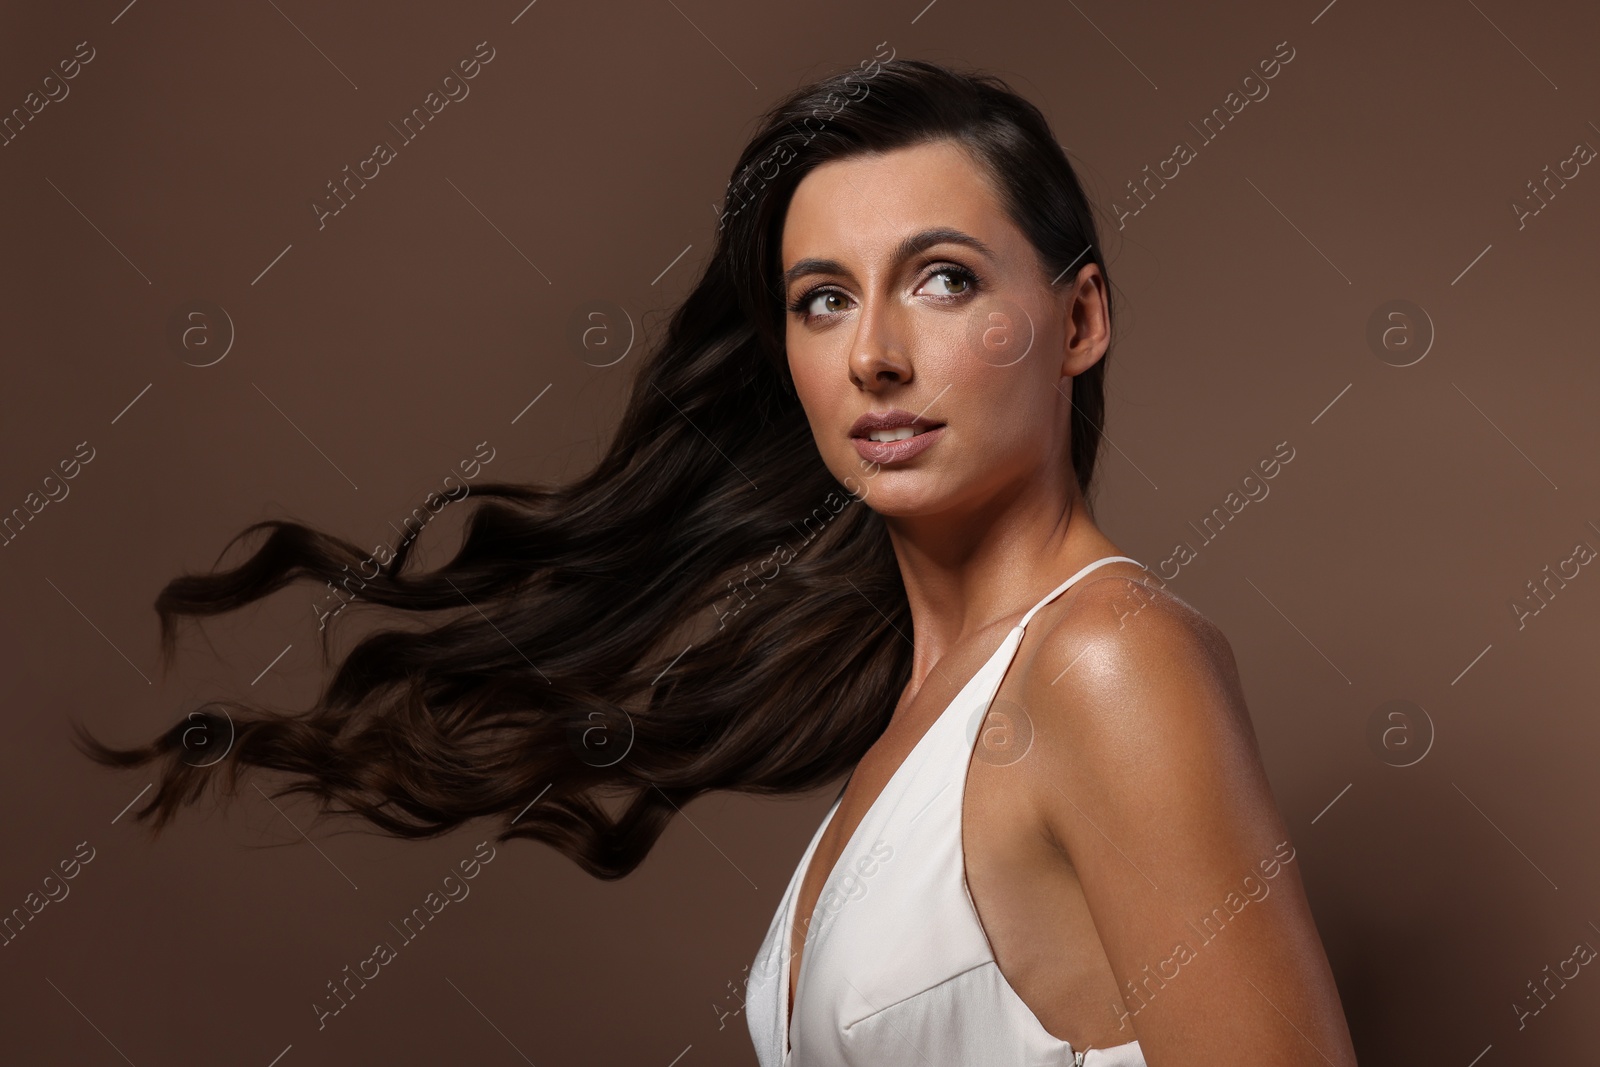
column 907, row 500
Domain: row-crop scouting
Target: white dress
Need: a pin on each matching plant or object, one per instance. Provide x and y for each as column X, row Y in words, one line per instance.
column 896, row 967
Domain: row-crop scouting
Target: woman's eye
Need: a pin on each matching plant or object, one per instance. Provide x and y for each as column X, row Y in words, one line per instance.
column 805, row 305
column 824, row 303
column 961, row 278
column 812, row 307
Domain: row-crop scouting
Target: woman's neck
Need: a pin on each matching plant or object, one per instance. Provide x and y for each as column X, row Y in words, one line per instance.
column 964, row 574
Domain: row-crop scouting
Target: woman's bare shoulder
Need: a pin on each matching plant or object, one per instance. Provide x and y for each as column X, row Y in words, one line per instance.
column 1125, row 619
column 1124, row 660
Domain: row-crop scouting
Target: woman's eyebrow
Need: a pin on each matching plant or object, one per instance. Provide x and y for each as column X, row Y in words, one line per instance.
column 907, row 248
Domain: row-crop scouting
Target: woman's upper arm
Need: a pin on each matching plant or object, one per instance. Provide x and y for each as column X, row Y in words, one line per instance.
column 1145, row 772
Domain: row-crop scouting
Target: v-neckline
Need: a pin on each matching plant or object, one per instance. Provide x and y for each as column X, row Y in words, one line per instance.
column 805, row 870
column 786, row 1000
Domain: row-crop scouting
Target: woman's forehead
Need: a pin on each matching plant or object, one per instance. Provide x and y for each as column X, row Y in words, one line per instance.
column 865, row 206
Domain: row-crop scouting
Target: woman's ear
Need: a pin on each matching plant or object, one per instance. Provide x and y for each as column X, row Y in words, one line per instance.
column 1088, row 328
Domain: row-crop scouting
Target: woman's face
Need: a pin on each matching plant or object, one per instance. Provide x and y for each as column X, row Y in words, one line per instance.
column 912, row 294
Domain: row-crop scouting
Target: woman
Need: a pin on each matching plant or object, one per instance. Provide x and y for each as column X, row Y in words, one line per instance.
column 844, row 527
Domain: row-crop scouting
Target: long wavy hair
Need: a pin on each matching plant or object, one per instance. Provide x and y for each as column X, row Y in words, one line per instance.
column 707, row 609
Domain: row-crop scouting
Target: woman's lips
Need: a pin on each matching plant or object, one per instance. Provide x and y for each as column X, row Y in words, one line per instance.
column 882, row 452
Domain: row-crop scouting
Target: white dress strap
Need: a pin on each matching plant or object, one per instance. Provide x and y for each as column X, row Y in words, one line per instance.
column 1062, row 588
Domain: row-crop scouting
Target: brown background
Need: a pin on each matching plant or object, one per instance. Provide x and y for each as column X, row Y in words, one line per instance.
column 376, row 352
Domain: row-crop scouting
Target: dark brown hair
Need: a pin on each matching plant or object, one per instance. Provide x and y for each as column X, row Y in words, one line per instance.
column 708, row 609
